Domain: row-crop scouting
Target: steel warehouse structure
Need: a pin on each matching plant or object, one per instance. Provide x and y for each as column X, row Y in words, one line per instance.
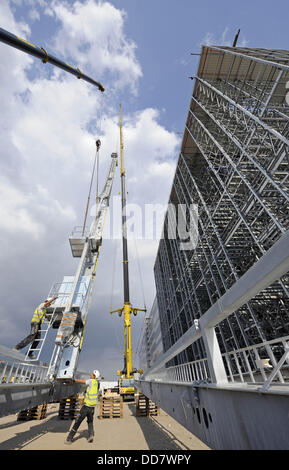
column 223, row 299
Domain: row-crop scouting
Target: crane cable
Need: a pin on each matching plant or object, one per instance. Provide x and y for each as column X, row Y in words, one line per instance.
column 97, row 140
column 141, row 333
column 112, row 291
column 115, row 248
column 140, row 273
column 96, row 162
column 89, row 193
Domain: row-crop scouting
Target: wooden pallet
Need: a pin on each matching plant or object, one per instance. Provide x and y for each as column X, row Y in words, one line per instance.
column 69, row 407
column 37, row 412
column 141, row 405
column 145, row 407
column 111, row 407
column 154, row 410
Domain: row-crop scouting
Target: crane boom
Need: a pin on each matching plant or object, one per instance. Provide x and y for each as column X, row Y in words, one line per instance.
column 70, row 333
column 127, row 309
column 41, row 53
column 123, row 206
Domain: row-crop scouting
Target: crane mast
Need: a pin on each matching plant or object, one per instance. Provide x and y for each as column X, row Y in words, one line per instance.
column 127, row 309
column 124, row 228
column 128, row 369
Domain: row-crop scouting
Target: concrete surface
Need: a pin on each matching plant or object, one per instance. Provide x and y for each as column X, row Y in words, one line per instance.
column 128, row 433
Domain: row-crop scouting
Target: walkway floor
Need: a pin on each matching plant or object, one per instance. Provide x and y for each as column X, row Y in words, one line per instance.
column 128, row 433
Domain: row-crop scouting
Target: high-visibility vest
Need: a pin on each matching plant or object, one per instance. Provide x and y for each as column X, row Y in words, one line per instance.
column 39, row 314
column 91, row 393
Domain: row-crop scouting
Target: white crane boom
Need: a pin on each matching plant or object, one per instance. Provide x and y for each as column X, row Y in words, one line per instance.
column 74, row 297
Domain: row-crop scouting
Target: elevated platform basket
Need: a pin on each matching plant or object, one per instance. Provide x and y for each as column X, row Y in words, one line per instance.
column 77, row 240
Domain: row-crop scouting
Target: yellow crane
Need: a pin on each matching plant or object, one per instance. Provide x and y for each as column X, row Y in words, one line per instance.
column 126, row 380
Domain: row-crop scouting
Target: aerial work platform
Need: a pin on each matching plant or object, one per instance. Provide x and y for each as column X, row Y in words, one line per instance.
column 78, row 239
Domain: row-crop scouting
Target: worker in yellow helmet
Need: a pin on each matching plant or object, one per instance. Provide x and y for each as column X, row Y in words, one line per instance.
column 88, row 407
column 37, row 319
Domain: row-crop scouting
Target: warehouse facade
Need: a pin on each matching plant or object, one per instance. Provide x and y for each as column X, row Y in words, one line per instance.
column 234, row 165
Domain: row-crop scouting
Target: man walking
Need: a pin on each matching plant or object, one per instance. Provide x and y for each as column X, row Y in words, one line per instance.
column 87, row 410
column 34, row 335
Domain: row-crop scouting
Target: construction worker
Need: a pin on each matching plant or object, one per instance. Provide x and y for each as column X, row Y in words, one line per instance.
column 88, row 407
column 37, row 319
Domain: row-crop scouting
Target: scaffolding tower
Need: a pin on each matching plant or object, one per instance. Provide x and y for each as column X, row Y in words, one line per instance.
column 224, row 302
column 234, row 166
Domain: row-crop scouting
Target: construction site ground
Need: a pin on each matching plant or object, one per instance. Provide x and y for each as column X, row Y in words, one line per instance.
column 128, row 433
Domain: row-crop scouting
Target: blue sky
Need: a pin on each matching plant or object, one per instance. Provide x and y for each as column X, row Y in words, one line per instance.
column 140, row 51
column 167, row 31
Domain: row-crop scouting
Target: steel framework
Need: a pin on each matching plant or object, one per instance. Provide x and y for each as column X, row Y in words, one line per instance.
column 224, row 304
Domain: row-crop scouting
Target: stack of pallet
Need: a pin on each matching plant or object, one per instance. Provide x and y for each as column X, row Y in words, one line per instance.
column 111, row 407
column 145, row 407
column 154, row 410
column 69, row 407
column 37, row 412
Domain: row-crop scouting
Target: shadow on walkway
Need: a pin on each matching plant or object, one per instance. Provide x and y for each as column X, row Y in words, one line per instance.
column 53, row 424
column 156, row 435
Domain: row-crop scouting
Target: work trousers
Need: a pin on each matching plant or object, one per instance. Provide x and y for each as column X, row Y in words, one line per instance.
column 85, row 412
column 34, row 336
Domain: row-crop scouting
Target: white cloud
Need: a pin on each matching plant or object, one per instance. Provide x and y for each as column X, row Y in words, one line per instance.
column 162, row 169
column 15, row 212
column 8, row 21
column 34, row 14
column 92, row 34
column 54, row 121
column 13, row 64
column 149, row 153
column 20, row 210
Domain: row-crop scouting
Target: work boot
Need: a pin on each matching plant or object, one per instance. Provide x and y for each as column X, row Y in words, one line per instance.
column 69, row 439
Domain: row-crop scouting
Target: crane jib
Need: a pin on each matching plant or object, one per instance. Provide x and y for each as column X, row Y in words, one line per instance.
column 41, row 53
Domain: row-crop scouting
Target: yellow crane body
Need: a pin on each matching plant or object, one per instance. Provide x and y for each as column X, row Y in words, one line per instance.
column 126, row 383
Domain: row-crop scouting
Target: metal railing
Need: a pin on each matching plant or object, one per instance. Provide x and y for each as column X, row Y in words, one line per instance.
column 19, row 372
column 77, row 232
column 255, row 363
column 63, row 291
column 251, row 365
column 189, row 372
